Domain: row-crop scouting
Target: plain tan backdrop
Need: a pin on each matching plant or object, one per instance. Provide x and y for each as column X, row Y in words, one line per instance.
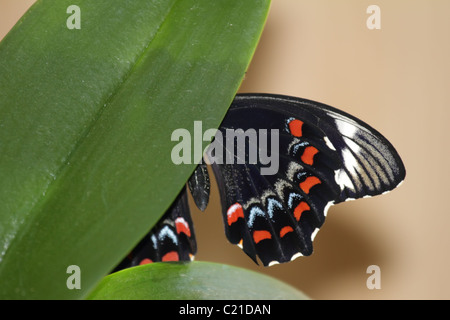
column 398, row 80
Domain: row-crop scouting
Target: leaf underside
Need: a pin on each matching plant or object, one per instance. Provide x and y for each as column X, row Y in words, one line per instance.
column 86, row 118
column 192, row 281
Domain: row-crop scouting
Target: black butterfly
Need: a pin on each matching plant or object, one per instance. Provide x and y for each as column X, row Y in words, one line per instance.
column 326, row 156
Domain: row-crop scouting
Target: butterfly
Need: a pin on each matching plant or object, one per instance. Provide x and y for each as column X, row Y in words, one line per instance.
column 325, row 156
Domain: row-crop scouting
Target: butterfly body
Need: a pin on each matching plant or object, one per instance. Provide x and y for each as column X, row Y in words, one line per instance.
column 324, row 156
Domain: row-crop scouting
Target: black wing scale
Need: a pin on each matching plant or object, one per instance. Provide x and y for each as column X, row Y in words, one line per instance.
column 324, row 156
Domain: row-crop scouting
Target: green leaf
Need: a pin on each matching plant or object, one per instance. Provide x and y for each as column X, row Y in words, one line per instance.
column 195, row 280
column 86, row 117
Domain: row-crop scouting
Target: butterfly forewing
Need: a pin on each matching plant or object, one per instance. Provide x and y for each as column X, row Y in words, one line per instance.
column 369, row 164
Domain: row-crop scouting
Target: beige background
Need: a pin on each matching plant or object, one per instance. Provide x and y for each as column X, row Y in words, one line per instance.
column 396, row 79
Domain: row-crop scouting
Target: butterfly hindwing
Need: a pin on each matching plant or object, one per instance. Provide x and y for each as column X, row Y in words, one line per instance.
column 171, row 239
column 325, row 157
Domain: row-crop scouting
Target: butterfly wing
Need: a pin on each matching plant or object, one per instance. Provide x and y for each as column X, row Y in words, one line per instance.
column 324, row 155
column 171, row 239
column 370, row 165
column 276, row 189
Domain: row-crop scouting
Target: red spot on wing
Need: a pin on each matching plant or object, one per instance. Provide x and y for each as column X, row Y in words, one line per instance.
column 182, row 226
column 234, row 212
column 309, row 183
column 300, row 208
column 171, row 256
column 285, row 230
column 308, row 155
column 260, row 235
column 295, row 128
column 145, row 261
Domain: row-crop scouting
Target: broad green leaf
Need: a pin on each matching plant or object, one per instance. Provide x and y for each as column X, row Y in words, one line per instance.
column 195, row 280
column 86, row 117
